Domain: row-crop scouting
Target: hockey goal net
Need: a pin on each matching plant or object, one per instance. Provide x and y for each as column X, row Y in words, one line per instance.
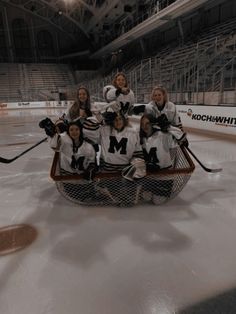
column 112, row 189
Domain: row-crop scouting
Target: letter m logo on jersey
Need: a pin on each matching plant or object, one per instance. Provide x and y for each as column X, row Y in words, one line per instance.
column 151, row 157
column 118, row 146
column 80, row 163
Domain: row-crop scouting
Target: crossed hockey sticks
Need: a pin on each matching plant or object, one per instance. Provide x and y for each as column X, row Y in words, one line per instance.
column 8, row 161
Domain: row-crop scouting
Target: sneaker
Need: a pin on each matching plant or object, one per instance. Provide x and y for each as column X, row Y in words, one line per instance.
column 147, row 196
column 157, row 199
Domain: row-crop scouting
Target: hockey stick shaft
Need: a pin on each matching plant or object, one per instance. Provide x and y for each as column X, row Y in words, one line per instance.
column 8, row 161
column 171, row 128
column 200, row 163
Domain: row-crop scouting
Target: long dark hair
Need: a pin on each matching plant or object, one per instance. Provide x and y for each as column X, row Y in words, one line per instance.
column 87, row 102
column 81, row 136
column 75, row 108
column 151, row 119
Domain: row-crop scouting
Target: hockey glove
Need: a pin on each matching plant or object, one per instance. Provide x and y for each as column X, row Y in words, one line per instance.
column 183, row 141
column 109, row 117
column 138, row 109
column 163, row 122
column 118, row 92
column 113, row 107
column 152, row 167
column 48, row 126
column 136, row 169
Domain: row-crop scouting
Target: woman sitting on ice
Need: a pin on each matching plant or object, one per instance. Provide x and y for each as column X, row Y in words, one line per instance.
column 77, row 155
column 157, row 138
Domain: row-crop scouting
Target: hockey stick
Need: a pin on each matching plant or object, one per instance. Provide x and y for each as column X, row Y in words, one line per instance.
column 8, row 161
column 203, row 167
column 172, row 128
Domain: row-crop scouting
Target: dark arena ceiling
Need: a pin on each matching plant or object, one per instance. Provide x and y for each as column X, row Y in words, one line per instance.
column 93, row 29
column 87, row 24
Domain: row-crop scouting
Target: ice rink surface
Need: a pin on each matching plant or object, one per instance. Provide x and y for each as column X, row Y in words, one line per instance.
column 179, row 257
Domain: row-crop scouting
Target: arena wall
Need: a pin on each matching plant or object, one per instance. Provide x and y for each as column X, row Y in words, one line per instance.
column 220, row 119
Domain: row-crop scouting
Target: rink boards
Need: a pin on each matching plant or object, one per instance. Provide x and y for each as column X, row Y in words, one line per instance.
column 220, row 119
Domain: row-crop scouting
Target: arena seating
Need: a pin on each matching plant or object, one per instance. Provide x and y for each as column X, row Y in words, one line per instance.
column 194, row 65
column 33, row 81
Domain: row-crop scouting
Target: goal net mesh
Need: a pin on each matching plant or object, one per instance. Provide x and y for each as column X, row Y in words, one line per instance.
column 112, row 189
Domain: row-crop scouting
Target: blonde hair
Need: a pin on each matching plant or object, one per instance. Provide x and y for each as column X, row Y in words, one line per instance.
column 115, row 78
column 162, row 90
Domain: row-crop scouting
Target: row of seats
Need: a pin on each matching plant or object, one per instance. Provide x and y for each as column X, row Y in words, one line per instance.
column 21, row 82
column 176, row 67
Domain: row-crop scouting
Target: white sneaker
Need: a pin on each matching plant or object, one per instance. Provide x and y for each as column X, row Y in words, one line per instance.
column 147, row 196
column 157, row 199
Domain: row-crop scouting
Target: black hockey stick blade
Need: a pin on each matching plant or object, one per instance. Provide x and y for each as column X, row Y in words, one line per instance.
column 8, row 161
column 204, row 167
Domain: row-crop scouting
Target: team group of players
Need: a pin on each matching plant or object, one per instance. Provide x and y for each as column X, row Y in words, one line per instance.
column 110, row 140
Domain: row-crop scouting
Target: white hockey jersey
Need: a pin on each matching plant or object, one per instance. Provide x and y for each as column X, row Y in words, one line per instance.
column 67, row 116
column 118, row 148
column 91, row 129
column 156, row 148
column 126, row 101
column 84, row 156
column 169, row 110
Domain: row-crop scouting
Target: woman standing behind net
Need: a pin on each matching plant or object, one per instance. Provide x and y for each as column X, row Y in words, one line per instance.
column 120, row 92
column 161, row 106
column 81, row 108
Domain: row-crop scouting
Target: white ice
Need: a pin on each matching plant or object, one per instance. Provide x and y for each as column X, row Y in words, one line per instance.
column 139, row 260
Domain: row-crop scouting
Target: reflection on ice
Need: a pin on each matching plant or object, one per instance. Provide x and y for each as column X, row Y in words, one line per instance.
column 114, row 260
